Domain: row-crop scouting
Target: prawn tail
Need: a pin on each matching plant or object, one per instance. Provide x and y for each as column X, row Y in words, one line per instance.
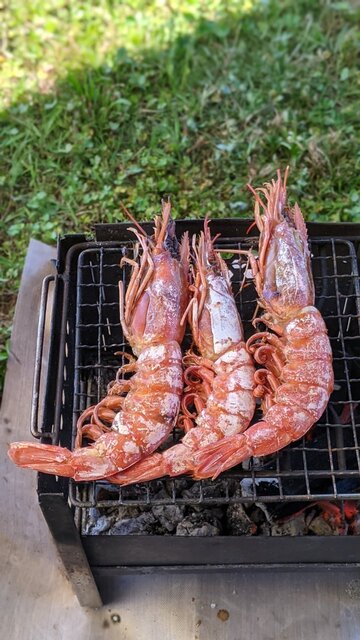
column 173, row 462
column 46, row 458
column 149, row 468
column 96, row 461
column 284, row 423
column 217, row 457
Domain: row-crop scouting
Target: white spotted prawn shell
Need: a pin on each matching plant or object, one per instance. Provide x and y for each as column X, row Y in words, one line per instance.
column 231, row 404
column 152, row 405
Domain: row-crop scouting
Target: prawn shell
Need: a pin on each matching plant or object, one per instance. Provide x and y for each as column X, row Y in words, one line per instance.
column 315, row 347
column 318, row 372
column 308, row 323
column 231, row 403
column 313, row 397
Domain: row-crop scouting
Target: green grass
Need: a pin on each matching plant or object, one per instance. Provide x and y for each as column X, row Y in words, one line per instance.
column 106, row 102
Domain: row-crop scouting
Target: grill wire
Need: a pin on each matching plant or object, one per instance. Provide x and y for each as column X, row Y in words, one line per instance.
column 325, row 464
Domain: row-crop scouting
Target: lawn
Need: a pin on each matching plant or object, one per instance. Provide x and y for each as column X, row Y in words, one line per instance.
column 105, row 102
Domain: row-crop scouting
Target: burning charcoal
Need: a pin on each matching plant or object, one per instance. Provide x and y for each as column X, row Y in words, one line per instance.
column 169, row 516
column 199, row 524
column 351, row 511
column 294, row 526
column 238, row 522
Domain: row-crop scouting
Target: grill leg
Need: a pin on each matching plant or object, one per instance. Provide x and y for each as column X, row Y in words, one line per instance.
column 59, row 518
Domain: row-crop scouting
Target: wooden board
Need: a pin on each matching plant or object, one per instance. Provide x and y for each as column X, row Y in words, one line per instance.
column 36, row 599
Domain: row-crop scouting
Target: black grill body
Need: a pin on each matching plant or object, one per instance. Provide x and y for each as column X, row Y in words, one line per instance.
column 85, row 335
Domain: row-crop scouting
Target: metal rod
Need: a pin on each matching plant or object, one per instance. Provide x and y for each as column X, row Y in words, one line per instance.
column 35, row 431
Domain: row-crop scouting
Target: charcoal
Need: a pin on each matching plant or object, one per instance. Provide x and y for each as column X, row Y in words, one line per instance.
column 320, row 526
column 106, row 492
column 98, row 524
column 169, row 516
column 263, row 508
column 133, row 492
column 201, row 519
column 218, row 488
column 246, row 464
column 267, row 487
column 238, row 522
column 188, row 528
column 141, row 524
column 161, row 494
column 354, row 527
column 191, row 492
column 181, row 484
column 158, row 520
column 160, row 488
column 216, row 512
column 264, row 529
column 199, row 524
column 296, row 526
column 257, row 514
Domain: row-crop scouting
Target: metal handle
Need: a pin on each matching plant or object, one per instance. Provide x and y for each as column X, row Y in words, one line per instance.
column 38, row 360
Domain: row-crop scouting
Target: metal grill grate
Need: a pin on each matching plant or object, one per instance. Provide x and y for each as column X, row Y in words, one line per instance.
column 325, row 464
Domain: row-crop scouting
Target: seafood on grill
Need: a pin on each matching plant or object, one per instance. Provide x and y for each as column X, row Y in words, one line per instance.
column 220, row 381
column 137, row 414
column 297, row 377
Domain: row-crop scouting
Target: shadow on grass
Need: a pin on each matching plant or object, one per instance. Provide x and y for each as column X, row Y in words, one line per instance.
column 231, row 101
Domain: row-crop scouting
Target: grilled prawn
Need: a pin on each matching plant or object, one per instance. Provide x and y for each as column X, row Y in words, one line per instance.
column 127, row 427
column 220, row 380
column 297, row 377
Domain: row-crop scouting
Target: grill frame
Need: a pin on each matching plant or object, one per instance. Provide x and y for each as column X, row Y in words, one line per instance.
column 95, row 342
column 101, row 556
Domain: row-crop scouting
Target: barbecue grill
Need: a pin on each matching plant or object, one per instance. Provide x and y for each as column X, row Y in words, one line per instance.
column 85, row 335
